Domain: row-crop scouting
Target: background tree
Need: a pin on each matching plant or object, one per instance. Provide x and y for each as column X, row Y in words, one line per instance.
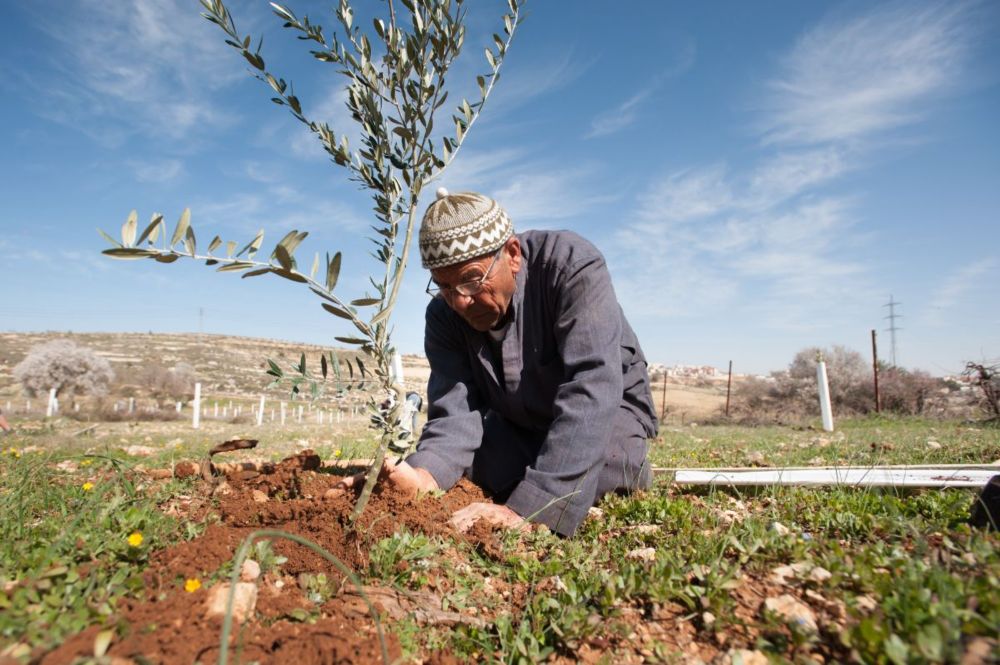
column 173, row 383
column 987, row 379
column 395, row 80
column 65, row 366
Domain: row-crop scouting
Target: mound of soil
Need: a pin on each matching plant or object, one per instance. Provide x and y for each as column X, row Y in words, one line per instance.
column 172, row 625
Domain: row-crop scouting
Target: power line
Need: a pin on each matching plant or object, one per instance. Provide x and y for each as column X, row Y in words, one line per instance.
column 892, row 304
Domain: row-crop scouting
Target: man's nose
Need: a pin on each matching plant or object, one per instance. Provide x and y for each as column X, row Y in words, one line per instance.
column 459, row 302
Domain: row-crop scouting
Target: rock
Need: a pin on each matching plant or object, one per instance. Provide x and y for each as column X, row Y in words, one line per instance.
column 186, row 469
column 780, row 529
column 642, row 554
column 782, row 574
column 707, row 619
column 743, row 657
column 250, row 571
column 140, row 451
column 819, row 574
column 68, row 466
column 792, row 611
column 865, row 603
column 816, row 461
column 979, row 651
column 244, row 601
column 646, row 529
column 933, row 445
column 222, row 489
column 259, row 496
column 595, row 513
column 756, row 458
column 159, row 474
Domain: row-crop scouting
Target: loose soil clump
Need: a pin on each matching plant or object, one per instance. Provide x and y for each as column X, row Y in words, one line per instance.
column 172, row 625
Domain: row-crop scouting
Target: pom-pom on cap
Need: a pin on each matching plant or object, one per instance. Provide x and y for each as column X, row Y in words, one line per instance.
column 461, row 226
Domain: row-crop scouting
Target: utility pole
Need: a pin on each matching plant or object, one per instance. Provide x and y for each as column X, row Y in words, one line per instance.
column 892, row 304
column 878, row 402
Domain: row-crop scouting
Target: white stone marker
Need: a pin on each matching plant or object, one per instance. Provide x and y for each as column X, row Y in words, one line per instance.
column 196, row 412
column 260, row 412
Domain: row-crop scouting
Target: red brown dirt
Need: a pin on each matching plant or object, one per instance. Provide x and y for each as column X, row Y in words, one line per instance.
column 170, row 625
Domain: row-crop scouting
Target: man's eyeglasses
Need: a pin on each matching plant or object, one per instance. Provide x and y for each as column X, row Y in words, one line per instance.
column 467, row 289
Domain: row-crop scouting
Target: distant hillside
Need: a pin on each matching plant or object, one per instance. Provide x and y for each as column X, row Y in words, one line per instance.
column 224, row 364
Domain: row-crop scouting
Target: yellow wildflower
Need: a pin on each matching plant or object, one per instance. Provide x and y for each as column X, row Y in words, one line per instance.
column 135, row 539
column 86, row 462
column 192, row 584
column 87, row 486
column 338, row 453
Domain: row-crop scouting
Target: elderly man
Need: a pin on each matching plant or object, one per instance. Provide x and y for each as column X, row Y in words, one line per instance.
column 538, row 389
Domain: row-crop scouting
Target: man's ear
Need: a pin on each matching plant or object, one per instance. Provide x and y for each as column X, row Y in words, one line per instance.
column 513, row 250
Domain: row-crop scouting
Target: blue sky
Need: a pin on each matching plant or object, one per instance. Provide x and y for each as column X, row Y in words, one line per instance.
column 760, row 176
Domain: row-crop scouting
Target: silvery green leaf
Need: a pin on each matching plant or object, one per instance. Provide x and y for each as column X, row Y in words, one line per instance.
column 152, row 230
column 254, row 273
column 216, row 241
column 288, row 274
column 128, row 229
column 166, row 258
column 315, row 267
column 333, row 272
column 352, row 340
column 232, row 267
column 230, row 248
column 281, row 254
column 365, row 302
column 109, row 238
column 380, row 317
column 336, row 311
column 128, row 253
column 182, row 226
column 189, row 241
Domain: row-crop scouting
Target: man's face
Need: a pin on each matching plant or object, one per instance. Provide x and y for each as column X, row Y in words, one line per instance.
column 485, row 309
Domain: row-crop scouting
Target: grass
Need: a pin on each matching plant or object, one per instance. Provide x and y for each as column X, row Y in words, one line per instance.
column 906, row 580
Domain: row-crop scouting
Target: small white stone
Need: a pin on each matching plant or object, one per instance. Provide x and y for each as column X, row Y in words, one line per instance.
column 250, row 571
column 865, row 603
column 792, row 611
column 442, row 192
column 933, row 445
column 244, row 601
column 707, row 619
column 744, row 657
column 819, row 574
column 642, row 554
column 259, row 496
column 780, row 529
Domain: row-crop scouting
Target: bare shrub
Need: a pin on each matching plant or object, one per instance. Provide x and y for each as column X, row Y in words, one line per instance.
column 793, row 394
column 909, row 392
column 65, row 366
column 175, row 383
column 987, row 379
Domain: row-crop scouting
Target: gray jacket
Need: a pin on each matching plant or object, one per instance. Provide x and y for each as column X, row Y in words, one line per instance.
column 570, row 361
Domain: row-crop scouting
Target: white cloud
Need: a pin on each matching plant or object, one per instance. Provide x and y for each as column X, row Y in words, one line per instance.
column 148, row 66
column 626, row 113
column 687, row 195
column 620, row 117
column 159, row 171
column 958, row 287
column 848, row 79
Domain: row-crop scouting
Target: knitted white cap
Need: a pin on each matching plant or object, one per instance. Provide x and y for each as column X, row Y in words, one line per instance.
column 462, row 226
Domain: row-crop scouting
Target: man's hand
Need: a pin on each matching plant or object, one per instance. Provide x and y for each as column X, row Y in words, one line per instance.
column 503, row 516
column 403, row 477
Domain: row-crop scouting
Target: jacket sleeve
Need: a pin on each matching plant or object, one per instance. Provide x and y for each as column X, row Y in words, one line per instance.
column 561, row 486
column 454, row 429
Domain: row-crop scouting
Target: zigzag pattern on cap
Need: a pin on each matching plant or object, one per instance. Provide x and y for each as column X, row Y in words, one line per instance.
column 449, row 252
column 462, row 226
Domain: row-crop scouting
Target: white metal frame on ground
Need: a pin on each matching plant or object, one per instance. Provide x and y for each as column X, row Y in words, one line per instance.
column 917, row 475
